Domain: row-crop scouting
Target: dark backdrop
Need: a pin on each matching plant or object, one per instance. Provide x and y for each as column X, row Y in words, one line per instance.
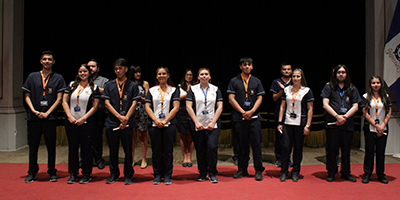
column 314, row 36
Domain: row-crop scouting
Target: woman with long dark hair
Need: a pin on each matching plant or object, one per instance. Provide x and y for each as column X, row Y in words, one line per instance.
column 377, row 112
column 80, row 102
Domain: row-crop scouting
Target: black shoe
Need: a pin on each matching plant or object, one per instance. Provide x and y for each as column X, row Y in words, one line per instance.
column 290, row 164
column 295, row 178
column 111, row 179
column 202, row 177
column 383, row 180
column 157, row 180
column 240, row 174
column 72, row 179
column 235, row 161
column 258, row 176
column 330, row 178
column 167, row 181
column 128, row 180
column 184, row 164
column 213, row 179
column 30, row 178
column 365, row 179
column 189, row 164
column 283, row 178
column 100, row 165
column 85, row 179
column 278, row 163
column 349, row 178
column 53, row 178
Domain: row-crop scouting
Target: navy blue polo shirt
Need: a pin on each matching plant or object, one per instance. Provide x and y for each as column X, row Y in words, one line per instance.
column 275, row 88
column 154, row 98
column 335, row 101
column 34, row 86
column 129, row 94
column 255, row 89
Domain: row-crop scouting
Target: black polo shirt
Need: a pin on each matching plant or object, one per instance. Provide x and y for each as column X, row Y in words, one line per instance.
column 254, row 90
column 34, row 86
column 129, row 94
column 275, row 88
column 335, row 101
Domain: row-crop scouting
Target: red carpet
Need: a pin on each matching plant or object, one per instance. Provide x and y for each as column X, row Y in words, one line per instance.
column 312, row 185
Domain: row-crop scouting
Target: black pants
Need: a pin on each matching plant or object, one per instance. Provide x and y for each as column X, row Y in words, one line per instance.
column 278, row 142
column 249, row 132
column 97, row 138
column 206, row 143
column 292, row 135
column 336, row 138
column 35, row 131
column 373, row 145
column 79, row 136
column 113, row 138
column 235, row 145
column 162, row 146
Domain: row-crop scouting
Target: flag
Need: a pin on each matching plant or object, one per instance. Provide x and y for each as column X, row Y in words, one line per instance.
column 391, row 64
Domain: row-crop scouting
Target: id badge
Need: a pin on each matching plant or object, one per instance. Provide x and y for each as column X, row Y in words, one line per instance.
column 161, row 116
column 123, row 113
column 293, row 115
column 246, row 103
column 120, row 107
column 44, row 103
column 377, row 121
column 343, row 110
column 77, row 108
column 204, row 112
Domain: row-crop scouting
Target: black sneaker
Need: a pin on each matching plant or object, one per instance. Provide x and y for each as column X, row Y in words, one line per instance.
column 259, row 176
column 295, row 178
column 111, row 179
column 100, row 165
column 365, row 179
column 330, row 178
column 235, row 161
column 157, row 180
column 240, row 174
column 30, row 178
column 283, row 178
column 167, row 181
column 202, row 177
column 278, row 163
column 128, row 180
column 72, row 179
column 213, row 179
column 85, row 179
column 53, row 178
column 349, row 178
column 383, row 180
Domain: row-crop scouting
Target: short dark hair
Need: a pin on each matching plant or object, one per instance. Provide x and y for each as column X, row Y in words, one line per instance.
column 121, row 62
column 48, row 53
column 94, row 60
column 245, row 60
column 285, row 63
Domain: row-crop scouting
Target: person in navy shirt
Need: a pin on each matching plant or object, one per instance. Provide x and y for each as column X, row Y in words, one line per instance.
column 80, row 102
column 245, row 95
column 277, row 87
column 377, row 110
column 204, row 106
column 121, row 96
column 297, row 107
column 42, row 94
column 340, row 101
column 162, row 104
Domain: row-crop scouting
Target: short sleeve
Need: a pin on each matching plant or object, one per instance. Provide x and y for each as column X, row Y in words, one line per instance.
column 325, row 93
column 219, row 95
column 190, row 95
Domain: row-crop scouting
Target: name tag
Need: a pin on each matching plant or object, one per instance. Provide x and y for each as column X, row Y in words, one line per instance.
column 377, row 121
column 343, row 110
column 204, row 112
column 77, row 108
column 161, row 116
column 44, row 103
column 293, row 115
column 247, row 103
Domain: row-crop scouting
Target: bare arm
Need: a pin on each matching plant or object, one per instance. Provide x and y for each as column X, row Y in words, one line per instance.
column 52, row 108
column 67, row 110
column 28, row 101
column 217, row 114
column 235, row 104
column 248, row 114
column 281, row 113
column 172, row 113
column 146, row 89
column 310, row 111
column 340, row 119
column 192, row 115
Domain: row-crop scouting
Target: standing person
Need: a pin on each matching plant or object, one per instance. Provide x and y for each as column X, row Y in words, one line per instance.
column 245, row 95
column 99, row 116
column 297, row 107
column 184, row 119
column 43, row 94
column 277, row 87
column 121, row 96
column 80, row 102
column 204, row 105
column 140, row 115
column 340, row 101
column 377, row 110
column 162, row 104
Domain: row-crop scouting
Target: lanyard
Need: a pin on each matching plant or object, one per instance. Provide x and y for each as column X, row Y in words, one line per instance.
column 341, row 93
column 44, row 81
column 246, row 84
column 79, row 91
column 162, row 96
column 376, row 105
column 205, row 94
column 294, row 96
column 120, row 90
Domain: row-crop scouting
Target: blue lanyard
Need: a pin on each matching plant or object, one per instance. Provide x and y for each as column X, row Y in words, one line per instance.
column 341, row 93
column 205, row 93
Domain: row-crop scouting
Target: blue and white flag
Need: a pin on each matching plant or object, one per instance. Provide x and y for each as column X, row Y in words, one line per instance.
column 391, row 65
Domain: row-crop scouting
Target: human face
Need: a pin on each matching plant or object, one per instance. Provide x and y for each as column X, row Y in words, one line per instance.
column 296, row 78
column 93, row 67
column 204, row 76
column 138, row 75
column 47, row 61
column 189, row 76
column 341, row 74
column 246, row 67
column 286, row 70
column 83, row 73
column 162, row 76
column 376, row 84
column 120, row 71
